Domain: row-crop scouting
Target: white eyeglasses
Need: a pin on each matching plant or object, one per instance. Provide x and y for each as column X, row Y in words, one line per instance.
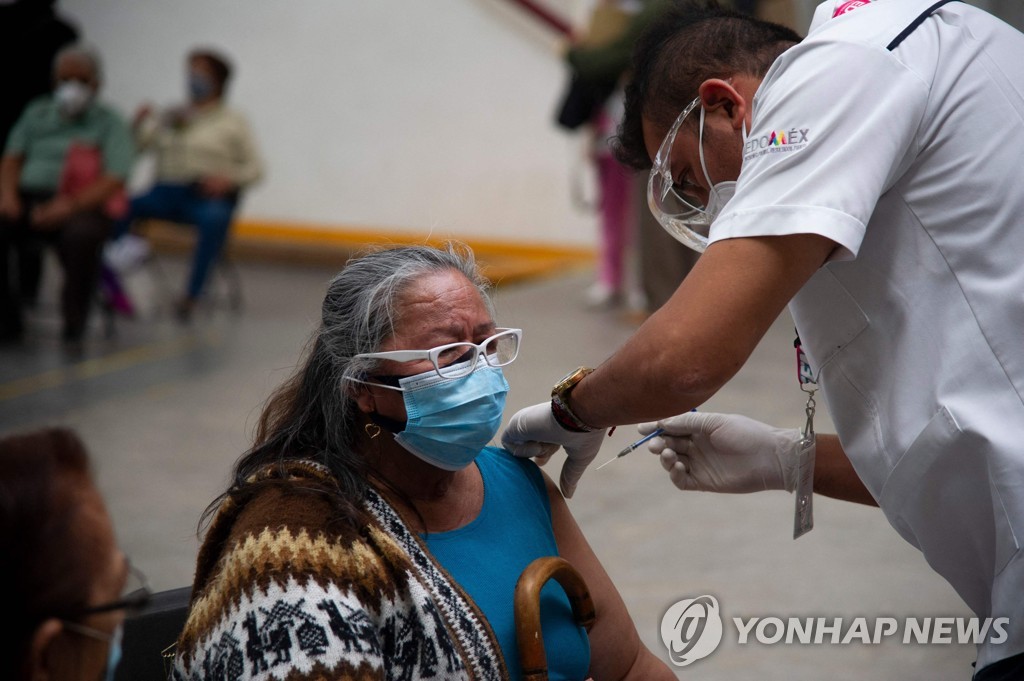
column 455, row 360
column 682, row 215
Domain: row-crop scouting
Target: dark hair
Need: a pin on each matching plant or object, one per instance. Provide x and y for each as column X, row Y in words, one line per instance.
column 43, row 564
column 218, row 63
column 690, row 42
column 313, row 415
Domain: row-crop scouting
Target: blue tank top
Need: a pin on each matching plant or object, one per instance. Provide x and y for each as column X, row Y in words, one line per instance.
column 487, row 556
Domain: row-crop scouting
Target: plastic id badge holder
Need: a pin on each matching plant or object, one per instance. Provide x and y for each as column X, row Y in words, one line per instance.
column 803, row 514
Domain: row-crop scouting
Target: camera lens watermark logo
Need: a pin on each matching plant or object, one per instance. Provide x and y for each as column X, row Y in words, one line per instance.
column 691, row 629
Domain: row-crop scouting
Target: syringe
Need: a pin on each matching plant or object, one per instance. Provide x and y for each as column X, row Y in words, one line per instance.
column 635, row 446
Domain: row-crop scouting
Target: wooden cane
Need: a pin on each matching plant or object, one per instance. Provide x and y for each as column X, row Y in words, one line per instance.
column 532, row 657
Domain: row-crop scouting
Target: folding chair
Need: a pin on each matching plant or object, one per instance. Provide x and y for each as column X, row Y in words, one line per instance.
column 148, row 634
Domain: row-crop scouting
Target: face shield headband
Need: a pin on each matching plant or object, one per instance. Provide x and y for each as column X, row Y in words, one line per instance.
column 682, row 214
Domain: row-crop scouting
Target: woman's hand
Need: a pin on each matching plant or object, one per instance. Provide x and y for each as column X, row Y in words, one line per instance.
column 50, row 215
column 144, row 111
column 10, row 206
column 215, row 186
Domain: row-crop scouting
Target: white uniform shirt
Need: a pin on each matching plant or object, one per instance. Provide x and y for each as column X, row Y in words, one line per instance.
column 913, row 161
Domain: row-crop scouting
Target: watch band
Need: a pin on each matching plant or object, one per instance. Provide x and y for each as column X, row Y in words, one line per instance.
column 568, row 420
column 560, row 405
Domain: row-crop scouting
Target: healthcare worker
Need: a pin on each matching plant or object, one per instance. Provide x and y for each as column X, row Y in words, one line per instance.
column 878, row 191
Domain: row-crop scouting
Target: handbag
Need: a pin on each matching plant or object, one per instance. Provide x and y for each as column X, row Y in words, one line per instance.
column 587, row 92
column 83, row 165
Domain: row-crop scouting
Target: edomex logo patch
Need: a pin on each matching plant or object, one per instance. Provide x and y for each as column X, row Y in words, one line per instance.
column 776, row 142
column 691, row 629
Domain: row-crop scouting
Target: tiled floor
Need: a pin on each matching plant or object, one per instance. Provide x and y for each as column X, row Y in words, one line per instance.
column 166, row 410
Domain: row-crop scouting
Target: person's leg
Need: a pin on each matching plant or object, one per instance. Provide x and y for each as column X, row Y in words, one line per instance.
column 18, row 243
column 616, row 214
column 80, row 247
column 10, row 304
column 212, row 219
column 161, row 202
column 30, row 252
column 30, row 271
column 664, row 262
column 126, row 250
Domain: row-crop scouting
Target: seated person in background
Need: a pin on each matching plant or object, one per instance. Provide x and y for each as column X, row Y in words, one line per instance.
column 371, row 532
column 68, row 585
column 205, row 156
column 66, row 160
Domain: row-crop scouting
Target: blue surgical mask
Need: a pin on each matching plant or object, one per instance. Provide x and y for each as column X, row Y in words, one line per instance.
column 200, row 87
column 114, row 654
column 450, row 420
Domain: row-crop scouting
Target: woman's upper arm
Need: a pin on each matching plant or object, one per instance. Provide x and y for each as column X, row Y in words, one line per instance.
column 292, row 631
column 616, row 650
column 277, row 585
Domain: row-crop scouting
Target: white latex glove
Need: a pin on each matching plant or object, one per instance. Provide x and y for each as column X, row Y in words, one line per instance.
column 534, row 432
column 725, row 453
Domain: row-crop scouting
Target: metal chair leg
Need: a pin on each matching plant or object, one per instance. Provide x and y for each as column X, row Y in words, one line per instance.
column 233, row 279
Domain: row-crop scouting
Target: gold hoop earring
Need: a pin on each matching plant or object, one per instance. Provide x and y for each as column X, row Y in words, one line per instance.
column 372, row 430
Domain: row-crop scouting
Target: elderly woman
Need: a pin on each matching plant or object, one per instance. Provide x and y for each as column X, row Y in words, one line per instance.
column 371, row 532
column 68, row 585
column 205, row 156
column 66, row 158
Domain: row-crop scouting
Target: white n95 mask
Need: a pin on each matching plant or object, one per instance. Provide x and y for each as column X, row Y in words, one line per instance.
column 72, row 98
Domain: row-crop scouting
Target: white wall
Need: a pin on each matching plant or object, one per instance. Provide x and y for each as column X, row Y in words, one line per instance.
column 405, row 115
column 395, row 114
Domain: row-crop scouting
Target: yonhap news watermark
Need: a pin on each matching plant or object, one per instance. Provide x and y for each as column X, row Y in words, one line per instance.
column 693, row 628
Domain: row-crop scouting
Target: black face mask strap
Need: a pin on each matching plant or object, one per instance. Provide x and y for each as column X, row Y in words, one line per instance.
column 914, row 24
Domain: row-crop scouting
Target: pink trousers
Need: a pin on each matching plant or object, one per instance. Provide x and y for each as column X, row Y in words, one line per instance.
column 616, row 207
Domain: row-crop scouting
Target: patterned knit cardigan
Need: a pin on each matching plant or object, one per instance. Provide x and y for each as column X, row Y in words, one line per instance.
column 283, row 593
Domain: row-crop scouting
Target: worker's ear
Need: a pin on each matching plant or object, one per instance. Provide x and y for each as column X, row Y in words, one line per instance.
column 39, row 649
column 721, row 97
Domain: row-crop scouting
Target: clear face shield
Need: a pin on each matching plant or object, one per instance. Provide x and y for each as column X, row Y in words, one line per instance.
column 683, row 214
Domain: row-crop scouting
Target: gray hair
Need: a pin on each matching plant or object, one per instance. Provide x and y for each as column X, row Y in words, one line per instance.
column 359, row 311
column 82, row 51
column 314, row 414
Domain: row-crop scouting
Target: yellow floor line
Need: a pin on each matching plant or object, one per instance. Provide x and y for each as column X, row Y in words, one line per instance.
column 101, row 366
column 296, row 243
column 351, row 235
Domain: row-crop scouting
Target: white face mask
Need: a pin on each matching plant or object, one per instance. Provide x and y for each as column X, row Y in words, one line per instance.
column 72, row 97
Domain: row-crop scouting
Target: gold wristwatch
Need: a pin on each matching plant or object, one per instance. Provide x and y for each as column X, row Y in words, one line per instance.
column 560, row 404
